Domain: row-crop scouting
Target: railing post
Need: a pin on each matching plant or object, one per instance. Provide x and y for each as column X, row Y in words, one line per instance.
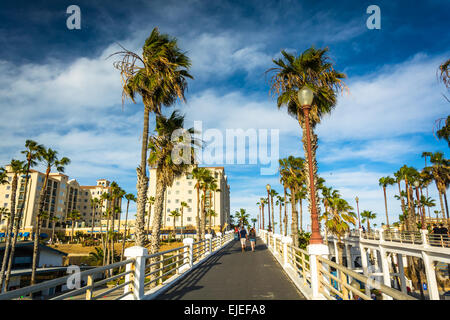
column 90, row 282
column 208, row 238
column 286, row 241
column 219, row 234
column 430, row 272
column 188, row 253
column 425, row 241
column 385, row 269
column 401, row 270
column 315, row 250
column 275, row 244
column 138, row 276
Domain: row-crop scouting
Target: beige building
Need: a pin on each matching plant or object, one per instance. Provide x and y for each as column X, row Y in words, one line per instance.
column 183, row 189
column 63, row 196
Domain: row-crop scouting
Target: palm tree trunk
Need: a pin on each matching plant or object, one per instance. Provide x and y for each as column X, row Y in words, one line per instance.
column 142, row 183
column 125, row 232
column 385, row 206
column 149, row 214
column 285, row 213
column 203, row 216
column 17, row 226
column 445, row 201
column 9, row 231
column 158, row 209
column 181, row 223
column 294, row 225
column 442, row 205
column 197, row 218
column 301, row 214
column 262, row 211
column 281, row 221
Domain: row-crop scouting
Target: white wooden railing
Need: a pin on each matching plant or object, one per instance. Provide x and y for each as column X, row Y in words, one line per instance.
column 319, row 278
column 140, row 276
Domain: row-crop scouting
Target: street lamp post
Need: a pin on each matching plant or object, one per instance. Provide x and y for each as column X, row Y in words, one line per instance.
column 416, row 184
column 268, row 205
column 357, row 208
column 305, row 97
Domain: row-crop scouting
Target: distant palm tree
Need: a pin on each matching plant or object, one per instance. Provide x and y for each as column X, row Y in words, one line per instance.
column 151, row 201
column 368, row 215
column 160, row 79
column 174, row 214
column 129, row 197
column 199, row 174
column 183, row 205
column 280, row 203
column 94, row 203
column 73, row 216
column 254, row 222
column 384, row 182
column 242, row 216
column 440, row 171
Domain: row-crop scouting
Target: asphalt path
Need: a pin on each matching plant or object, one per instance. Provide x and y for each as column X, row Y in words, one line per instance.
column 235, row 275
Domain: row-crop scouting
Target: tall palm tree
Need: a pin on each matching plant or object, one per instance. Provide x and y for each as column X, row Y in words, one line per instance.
column 254, row 222
column 272, row 194
column 17, row 168
column 183, row 205
column 151, row 202
column 162, row 151
column 199, row 174
column 159, row 77
column 384, row 182
column 313, row 69
column 208, row 179
column 211, row 215
column 73, row 216
column 368, row 215
column 129, row 197
column 263, row 201
column 33, row 152
column 50, row 158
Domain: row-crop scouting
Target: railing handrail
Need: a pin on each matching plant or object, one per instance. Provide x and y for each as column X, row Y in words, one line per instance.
column 62, row 280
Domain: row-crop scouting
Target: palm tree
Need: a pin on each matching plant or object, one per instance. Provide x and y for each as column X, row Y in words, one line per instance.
column 440, row 170
column 151, row 201
column 53, row 219
column 313, row 69
column 338, row 222
column 254, row 222
column 183, row 205
column 174, row 214
column 103, row 197
column 427, row 202
column 242, row 216
column 384, row 182
column 129, row 197
column 73, row 216
column 32, row 152
column 199, row 174
column 162, row 150
column 368, row 215
column 263, row 201
column 94, row 203
column 292, row 172
column 211, row 215
column 50, row 159
column 17, row 168
column 272, row 194
column 159, row 80
column 280, row 203
column 208, row 179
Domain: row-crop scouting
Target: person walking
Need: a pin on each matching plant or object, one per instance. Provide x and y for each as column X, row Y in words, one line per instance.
column 252, row 237
column 243, row 237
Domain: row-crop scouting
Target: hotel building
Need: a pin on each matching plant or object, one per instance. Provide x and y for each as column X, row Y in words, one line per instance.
column 63, row 196
column 183, row 189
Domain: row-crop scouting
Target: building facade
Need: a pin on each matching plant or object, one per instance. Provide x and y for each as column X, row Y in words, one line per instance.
column 183, row 189
column 62, row 197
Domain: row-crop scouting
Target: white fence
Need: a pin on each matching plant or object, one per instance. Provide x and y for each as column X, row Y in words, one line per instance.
column 319, row 278
column 140, row 276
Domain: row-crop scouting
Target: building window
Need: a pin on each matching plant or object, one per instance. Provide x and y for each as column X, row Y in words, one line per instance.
column 177, row 192
column 190, row 183
column 168, row 219
column 189, row 219
column 189, row 200
column 177, row 200
column 168, row 201
column 6, row 195
column 190, row 191
column 8, row 187
column 189, row 209
column 189, row 176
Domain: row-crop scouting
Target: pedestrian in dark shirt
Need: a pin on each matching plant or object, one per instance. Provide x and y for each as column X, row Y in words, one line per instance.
column 435, row 229
column 442, row 230
column 243, row 237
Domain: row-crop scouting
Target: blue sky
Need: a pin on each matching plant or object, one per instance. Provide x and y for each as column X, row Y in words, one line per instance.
column 58, row 88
